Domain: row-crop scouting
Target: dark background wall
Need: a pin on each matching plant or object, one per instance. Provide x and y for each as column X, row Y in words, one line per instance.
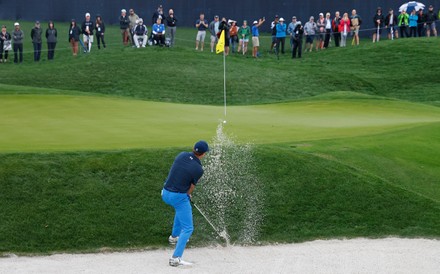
column 187, row 11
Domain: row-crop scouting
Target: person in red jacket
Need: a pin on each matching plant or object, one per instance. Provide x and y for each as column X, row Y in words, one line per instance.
column 344, row 29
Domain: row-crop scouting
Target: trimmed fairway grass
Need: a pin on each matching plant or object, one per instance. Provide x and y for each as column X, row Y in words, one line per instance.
column 343, row 147
column 69, row 123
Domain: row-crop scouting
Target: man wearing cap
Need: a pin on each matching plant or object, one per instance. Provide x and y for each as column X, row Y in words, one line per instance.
column 157, row 14
column 255, row 36
column 140, row 32
column 124, row 25
column 430, row 18
column 281, row 35
column 87, row 29
column 36, row 33
column 17, row 39
column 184, row 174
column 290, row 29
column 214, row 29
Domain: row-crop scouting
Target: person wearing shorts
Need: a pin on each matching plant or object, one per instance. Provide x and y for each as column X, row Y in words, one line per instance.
column 355, row 23
column 255, row 37
column 243, row 34
column 310, row 29
column 87, row 29
column 430, row 18
column 201, row 25
column 214, row 30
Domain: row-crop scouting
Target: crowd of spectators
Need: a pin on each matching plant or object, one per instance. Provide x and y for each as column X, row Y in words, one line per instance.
column 317, row 35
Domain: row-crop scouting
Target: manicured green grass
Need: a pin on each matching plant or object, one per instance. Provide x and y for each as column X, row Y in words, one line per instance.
column 66, row 122
column 331, row 163
column 403, row 69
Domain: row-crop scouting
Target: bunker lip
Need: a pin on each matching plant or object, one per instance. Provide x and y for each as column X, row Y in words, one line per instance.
column 390, row 255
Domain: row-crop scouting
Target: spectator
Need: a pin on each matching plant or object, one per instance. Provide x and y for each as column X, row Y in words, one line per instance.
column 297, row 40
column 273, row 27
column 124, row 25
column 5, row 44
column 290, row 30
column 281, row 36
column 413, row 24
column 140, row 32
column 355, row 23
column 133, row 18
column 36, row 33
column 51, row 37
column 157, row 14
column 17, row 39
column 87, row 29
column 171, row 25
column 390, row 24
column 421, row 23
column 328, row 29
column 256, row 37
column 403, row 19
column 224, row 26
column 233, row 34
column 430, row 18
column 158, row 32
column 243, row 35
column 378, row 21
column 321, row 31
column 213, row 29
column 310, row 30
column 201, row 25
column 344, row 26
column 100, row 31
column 335, row 28
column 74, row 33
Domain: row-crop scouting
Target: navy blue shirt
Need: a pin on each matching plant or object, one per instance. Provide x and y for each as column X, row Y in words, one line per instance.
column 186, row 170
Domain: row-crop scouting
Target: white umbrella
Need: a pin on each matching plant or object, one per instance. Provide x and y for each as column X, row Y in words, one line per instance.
column 410, row 6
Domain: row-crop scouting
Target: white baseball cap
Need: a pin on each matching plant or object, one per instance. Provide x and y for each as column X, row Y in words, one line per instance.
column 124, row 11
column 321, row 14
column 281, row 19
column 16, row 24
column 87, row 14
column 255, row 22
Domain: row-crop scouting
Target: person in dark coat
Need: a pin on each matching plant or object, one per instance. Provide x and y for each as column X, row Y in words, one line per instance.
column 52, row 39
column 100, row 31
column 74, row 33
column 36, row 34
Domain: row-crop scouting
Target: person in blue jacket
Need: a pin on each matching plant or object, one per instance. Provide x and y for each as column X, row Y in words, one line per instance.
column 182, row 179
column 159, row 32
column 413, row 18
column 281, row 35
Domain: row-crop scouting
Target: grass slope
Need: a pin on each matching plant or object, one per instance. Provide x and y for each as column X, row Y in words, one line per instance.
column 66, row 122
column 403, row 69
column 86, row 201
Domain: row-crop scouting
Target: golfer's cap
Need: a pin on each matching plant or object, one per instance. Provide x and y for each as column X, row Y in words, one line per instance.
column 293, row 17
column 255, row 22
column 124, row 11
column 201, row 147
column 141, row 20
column 87, row 14
column 37, row 22
column 216, row 16
column 230, row 21
column 281, row 19
column 16, row 24
column 321, row 14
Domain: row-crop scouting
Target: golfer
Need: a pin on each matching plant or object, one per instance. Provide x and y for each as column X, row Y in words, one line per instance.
column 182, row 179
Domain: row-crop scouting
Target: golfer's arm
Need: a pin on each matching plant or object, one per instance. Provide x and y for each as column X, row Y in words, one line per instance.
column 191, row 189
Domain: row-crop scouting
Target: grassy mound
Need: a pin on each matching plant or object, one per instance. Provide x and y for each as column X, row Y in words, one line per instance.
column 332, row 164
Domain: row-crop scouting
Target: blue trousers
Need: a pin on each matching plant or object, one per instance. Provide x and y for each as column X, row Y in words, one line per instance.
column 183, row 219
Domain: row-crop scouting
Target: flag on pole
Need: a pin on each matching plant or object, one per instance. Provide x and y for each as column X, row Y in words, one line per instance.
column 221, row 43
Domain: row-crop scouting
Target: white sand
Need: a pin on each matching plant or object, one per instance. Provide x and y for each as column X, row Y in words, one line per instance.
column 390, row 255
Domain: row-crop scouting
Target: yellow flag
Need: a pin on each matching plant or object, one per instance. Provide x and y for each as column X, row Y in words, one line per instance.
column 221, row 43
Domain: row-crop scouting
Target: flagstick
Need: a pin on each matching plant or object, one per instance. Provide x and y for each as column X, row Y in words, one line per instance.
column 224, row 79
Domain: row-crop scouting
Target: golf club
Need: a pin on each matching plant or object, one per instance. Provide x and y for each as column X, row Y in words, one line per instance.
column 223, row 234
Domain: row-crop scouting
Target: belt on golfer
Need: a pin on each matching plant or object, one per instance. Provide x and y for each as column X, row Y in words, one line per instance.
column 174, row 191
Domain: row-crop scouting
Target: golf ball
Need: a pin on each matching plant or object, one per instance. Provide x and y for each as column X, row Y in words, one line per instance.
column 224, row 121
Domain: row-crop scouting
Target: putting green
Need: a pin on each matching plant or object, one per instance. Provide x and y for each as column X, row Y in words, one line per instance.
column 68, row 122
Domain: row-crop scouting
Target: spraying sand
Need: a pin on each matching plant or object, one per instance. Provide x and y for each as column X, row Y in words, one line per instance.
column 390, row 255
